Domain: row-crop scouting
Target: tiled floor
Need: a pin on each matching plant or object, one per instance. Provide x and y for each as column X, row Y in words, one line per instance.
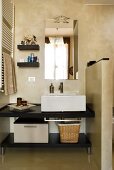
column 46, row 159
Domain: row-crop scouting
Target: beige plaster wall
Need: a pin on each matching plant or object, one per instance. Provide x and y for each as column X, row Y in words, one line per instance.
column 94, row 97
column 99, row 129
column 96, row 39
column 96, row 36
column 3, row 99
column 30, row 19
column 4, row 122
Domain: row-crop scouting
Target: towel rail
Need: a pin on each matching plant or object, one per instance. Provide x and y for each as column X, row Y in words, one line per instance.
column 2, row 76
column 6, row 37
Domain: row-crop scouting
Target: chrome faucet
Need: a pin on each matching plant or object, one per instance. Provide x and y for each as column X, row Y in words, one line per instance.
column 61, row 87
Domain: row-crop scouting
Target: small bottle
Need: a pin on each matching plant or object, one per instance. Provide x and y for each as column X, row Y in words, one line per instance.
column 19, row 100
column 29, row 58
column 51, row 88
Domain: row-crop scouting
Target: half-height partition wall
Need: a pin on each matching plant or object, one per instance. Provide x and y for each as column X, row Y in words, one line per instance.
column 99, row 95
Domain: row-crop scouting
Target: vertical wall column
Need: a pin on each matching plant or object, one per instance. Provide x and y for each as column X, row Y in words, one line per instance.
column 99, row 94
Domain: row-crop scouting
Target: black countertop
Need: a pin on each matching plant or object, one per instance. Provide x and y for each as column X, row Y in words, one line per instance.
column 35, row 112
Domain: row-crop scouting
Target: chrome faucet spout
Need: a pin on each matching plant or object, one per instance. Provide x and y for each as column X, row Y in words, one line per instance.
column 61, row 87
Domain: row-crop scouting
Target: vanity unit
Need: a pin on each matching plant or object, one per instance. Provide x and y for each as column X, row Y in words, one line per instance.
column 53, row 138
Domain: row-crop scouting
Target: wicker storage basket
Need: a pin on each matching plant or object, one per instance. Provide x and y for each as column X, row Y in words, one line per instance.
column 69, row 133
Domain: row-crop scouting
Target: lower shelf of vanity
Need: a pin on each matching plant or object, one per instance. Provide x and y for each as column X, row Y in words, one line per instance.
column 54, row 141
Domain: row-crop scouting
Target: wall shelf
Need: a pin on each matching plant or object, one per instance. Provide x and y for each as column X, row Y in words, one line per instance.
column 28, row 64
column 28, row 47
column 54, row 141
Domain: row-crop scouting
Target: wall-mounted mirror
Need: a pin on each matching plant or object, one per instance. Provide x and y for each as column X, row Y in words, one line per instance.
column 61, row 48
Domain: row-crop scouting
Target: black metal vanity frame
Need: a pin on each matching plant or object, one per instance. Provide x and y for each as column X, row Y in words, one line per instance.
column 54, row 141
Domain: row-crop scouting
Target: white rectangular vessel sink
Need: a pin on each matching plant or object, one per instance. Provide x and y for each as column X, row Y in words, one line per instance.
column 63, row 102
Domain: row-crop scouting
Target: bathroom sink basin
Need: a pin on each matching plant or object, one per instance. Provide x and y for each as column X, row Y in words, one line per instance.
column 63, row 102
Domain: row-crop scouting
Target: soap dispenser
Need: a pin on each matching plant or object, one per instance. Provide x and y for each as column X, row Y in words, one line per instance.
column 51, row 88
